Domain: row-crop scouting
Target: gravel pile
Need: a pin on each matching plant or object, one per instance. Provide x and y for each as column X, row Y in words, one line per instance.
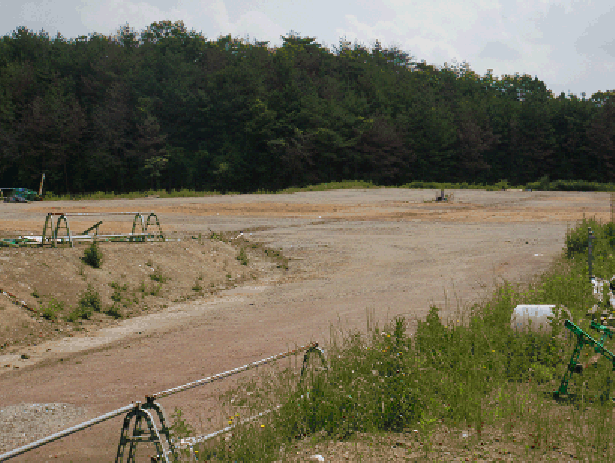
column 25, row 423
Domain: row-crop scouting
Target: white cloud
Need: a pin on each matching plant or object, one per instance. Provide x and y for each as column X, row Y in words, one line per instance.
column 255, row 25
column 217, row 10
column 566, row 43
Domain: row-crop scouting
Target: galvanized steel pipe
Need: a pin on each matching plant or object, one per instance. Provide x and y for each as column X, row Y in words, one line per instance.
column 226, row 374
column 66, row 432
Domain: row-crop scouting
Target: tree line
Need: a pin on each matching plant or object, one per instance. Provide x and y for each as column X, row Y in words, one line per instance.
column 170, row 109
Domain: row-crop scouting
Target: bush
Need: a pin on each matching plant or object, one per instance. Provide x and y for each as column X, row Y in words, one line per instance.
column 50, row 311
column 117, row 293
column 88, row 303
column 158, row 276
column 544, row 183
column 93, row 256
column 242, row 257
column 502, row 184
column 76, row 314
column 114, row 311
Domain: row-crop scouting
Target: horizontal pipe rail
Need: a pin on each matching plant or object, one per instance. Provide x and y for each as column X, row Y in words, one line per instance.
column 192, row 441
column 118, row 235
column 227, row 373
column 95, row 213
column 66, row 432
column 150, row 398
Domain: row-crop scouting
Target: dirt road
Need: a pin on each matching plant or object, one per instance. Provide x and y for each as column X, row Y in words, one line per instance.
column 384, row 250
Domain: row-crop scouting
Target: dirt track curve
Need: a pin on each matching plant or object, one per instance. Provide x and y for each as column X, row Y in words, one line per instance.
column 381, row 249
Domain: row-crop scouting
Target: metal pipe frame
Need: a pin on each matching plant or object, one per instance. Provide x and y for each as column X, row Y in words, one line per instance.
column 54, row 238
column 66, row 432
column 190, row 442
column 228, row 373
column 151, row 404
column 94, row 213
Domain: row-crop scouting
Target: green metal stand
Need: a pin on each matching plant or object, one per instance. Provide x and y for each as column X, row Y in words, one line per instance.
column 160, row 235
column 144, row 224
column 54, row 233
column 152, row 434
column 134, row 227
column 584, row 339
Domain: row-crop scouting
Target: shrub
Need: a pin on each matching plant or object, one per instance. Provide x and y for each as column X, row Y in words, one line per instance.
column 93, row 256
column 502, row 184
column 197, row 287
column 76, row 314
column 88, row 303
column 114, row 311
column 544, row 183
column 50, row 311
column 242, row 257
column 158, row 276
column 118, row 289
column 155, row 291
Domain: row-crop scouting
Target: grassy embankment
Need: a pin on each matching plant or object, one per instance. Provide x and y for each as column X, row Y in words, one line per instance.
column 472, row 373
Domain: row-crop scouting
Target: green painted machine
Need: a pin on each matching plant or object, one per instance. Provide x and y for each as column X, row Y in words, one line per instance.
column 19, row 195
column 584, row 339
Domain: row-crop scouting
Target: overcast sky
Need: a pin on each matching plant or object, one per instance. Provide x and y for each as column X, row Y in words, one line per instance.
column 570, row 45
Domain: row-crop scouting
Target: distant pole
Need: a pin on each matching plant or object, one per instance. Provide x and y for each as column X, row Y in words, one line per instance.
column 40, row 188
column 589, row 251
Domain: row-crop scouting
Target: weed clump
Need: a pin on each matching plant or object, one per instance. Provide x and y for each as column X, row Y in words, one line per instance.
column 89, row 303
column 159, row 276
column 93, row 256
column 114, row 311
column 242, row 257
column 50, row 311
column 197, row 287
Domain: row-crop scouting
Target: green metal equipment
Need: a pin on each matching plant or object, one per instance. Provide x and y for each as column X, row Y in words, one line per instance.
column 584, row 339
column 62, row 223
column 20, row 195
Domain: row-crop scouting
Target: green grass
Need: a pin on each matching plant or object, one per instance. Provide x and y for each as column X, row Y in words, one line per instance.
column 471, row 371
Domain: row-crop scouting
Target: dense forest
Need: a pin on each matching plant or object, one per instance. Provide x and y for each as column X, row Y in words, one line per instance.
column 169, row 109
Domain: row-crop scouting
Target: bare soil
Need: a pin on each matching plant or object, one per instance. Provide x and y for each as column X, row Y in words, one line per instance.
column 134, row 279
column 314, row 260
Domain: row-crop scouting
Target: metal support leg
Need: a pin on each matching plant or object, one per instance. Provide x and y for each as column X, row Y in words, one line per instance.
column 162, row 419
column 48, row 223
column 572, row 368
column 55, row 235
column 134, row 226
column 141, row 412
column 321, row 354
column 161, row 235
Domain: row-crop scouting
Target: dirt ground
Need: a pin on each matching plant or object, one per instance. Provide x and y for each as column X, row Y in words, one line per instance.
column 314, row 260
